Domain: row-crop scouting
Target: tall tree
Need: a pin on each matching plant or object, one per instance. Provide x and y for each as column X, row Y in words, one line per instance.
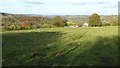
column 58, row 21
column 94, row 20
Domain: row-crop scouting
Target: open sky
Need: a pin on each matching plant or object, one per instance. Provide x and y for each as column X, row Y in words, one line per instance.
column 60, row 7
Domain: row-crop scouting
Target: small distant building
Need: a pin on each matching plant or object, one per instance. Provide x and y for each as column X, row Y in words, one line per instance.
column 85, row 25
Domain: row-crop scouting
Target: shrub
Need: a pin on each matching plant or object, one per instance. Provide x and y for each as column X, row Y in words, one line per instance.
column 3, row 28
column 106, row 24
column 46, row 26
column 18, row 27
column 11, row 27
column 71, row 23
column 33, row 27
column 38, row 25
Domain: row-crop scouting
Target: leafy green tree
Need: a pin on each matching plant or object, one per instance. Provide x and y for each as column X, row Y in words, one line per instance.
column 94, row 20
column 58, row 21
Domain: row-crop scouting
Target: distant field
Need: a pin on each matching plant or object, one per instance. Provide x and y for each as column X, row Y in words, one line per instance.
column 61, row 46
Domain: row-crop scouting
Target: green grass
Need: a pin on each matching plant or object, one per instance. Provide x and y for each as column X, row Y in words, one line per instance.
column 61, row 47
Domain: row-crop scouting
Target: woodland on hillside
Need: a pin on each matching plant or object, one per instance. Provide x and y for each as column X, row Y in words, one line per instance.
column 24, row 21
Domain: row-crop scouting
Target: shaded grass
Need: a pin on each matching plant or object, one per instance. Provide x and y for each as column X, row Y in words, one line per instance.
column 103, row 52
column 61, row 46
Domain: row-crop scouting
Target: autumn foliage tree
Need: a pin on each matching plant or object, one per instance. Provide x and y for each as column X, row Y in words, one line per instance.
column 24, row 24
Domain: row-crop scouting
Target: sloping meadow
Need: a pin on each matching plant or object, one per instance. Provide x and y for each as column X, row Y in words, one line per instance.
column 61, row 47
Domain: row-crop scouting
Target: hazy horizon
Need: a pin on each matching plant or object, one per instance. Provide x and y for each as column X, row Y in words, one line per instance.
column 54, row 15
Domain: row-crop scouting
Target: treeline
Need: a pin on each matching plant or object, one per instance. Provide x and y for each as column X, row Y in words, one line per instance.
column 106, row 20
column 18, row 21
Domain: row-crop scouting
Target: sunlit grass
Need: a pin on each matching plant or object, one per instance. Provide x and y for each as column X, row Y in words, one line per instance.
column 61, row 46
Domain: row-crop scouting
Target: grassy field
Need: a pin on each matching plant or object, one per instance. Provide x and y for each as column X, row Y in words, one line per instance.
column 61, row 47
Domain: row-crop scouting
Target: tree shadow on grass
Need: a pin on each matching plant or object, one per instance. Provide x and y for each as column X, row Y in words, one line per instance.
column 104, row 52
column 27, row 48
column 34, row 49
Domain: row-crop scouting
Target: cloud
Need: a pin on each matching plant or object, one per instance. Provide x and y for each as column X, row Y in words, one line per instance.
column 90, row 3
column 27, row 6
column 34, row 2
column 114, row 6
column 101, row 2
column 82, row 3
